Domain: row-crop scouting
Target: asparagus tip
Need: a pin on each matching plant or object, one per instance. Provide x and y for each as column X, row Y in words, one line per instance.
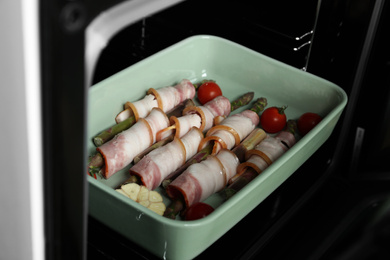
column 259, row 105
column 174, row 209
column 98, row 141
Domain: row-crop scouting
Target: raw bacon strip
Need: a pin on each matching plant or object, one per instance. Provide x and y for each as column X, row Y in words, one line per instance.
column 158, row 164
column 231, row 131
column 121, row 150
column 165, row 98
column 157, row 121
column 286, row 138
column 142, row 108
column 203, row 179
column 266, row 152
column 169, row 97
column 179, row 126
column 219, row 106
column 197, row 116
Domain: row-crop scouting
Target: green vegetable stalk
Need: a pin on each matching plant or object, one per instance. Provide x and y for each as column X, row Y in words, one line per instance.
column 109, row 133
column 291, row 126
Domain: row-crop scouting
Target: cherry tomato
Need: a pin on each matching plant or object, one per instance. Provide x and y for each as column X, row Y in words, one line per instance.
column 198, row 210
column 308, row 121
column 273, row 119
column 208, row 91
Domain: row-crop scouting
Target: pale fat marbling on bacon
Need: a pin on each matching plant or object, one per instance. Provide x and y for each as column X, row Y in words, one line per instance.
column 191, row 142
column 219, row 106
column 186, row 122
column 157, row 120
column 173, row 96
column 207, row 121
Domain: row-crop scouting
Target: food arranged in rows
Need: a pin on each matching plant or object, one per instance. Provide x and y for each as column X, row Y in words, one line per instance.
column 193, row 151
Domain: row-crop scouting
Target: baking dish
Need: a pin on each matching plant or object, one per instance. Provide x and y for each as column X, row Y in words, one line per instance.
column 237, row 70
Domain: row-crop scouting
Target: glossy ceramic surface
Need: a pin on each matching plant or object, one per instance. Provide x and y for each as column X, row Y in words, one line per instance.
column 237, row 70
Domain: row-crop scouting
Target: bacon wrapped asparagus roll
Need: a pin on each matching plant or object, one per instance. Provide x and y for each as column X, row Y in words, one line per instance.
column 165, row 98
column 154, row 167
column 201, row 117
column 121, row 150
column 266, row 152
column 203, row 179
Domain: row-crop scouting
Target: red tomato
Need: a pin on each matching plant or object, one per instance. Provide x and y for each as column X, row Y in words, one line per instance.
column 308, row 121
column 273, row 119
column 198, row 210
column 208, row 91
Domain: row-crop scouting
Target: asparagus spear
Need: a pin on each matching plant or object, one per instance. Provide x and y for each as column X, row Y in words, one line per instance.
column 109, row 133
column 259, row 105
column 291, row 126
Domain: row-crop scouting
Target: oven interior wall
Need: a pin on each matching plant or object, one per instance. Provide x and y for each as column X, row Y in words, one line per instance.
column 349, row 216
column 264, row 27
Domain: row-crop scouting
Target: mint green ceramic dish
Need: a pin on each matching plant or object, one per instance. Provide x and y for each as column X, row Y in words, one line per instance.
column 237, row 70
